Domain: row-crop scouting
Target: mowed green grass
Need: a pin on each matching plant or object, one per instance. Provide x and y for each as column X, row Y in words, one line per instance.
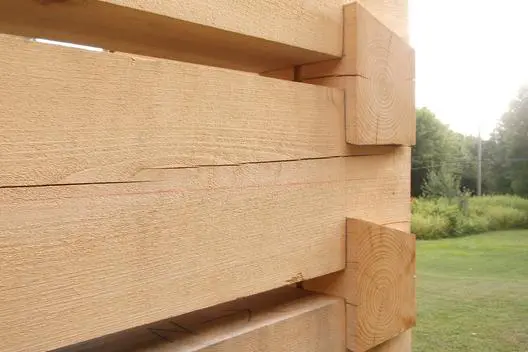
column 473, row 294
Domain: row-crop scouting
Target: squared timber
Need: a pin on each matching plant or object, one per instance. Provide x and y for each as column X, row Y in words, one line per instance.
column 136, row 253
column 283, row 320
column 393, row 14
column 245, row 35
column 400, row 343
column 159, row 188
column 395, row 125
column 142, row 114
column 377, row 284
column 377, row 72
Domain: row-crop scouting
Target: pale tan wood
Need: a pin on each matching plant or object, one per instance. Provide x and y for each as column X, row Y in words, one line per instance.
column 400, row 343
column 279, row 321
column 287, row 74
column 370, row 50
column 377, row 71
column 247, row 35
column 377, row 284
column 393, row 13
column 70, row 116
column 382, row 303
column 370, row 119
column 80, row 262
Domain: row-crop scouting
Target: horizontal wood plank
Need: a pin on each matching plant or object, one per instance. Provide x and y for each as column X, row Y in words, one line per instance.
column 70, row 116
column 285, row 320
column 80, row 262
column 248, row 35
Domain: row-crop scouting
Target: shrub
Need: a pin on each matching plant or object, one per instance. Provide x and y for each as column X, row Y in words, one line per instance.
column 429, row 227
column 435, row 218
column 502, row 218
column 441, row 183
column 474, row 224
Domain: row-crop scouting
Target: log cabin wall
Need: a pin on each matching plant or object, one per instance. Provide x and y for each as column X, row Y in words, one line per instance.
column 219, row 176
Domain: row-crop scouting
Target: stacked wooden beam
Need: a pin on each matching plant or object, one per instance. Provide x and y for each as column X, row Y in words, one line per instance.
column 167, row 193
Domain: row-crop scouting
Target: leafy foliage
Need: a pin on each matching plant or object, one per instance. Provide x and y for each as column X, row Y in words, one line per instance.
column 443, row 157
column 441, row 183
column 435, row 218
column 508, row 149
column 436, row 147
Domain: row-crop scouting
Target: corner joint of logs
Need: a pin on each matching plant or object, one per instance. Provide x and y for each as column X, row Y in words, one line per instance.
column 377, row 284
column 377, row 73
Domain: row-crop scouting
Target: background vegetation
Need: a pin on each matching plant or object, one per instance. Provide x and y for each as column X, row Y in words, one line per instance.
column 446, row 155
column 444, row 176
column 435, row 218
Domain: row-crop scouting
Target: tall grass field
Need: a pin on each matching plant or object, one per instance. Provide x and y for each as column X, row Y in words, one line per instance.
column 443, row 217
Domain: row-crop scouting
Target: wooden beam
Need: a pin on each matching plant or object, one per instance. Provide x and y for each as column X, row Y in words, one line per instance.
column 377, row 71
column 286, row 320
column 84, row 261
column 370, row 49
column 377, row 284
column 70, row 116
column 253, row 36
column 287, row 74
column 371, row 119
column 392, row 13
column 400, row 343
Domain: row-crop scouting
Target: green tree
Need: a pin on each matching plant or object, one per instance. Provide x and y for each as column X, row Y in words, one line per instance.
column 441, row 182
column 508, row 149
column 468, row 162
column 437, row 147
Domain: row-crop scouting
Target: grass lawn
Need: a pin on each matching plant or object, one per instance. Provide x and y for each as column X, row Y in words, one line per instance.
column 473, row 294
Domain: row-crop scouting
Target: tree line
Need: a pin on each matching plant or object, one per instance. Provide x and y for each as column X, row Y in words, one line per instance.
column 444, row 162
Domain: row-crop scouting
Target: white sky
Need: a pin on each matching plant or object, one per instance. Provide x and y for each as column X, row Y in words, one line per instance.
column 471, row 58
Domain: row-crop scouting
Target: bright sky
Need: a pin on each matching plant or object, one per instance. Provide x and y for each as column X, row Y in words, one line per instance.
column 471, row 58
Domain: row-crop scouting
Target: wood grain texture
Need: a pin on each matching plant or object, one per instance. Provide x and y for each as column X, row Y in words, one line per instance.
column 278, row 321
column 392, row 13
column 377, row 284
column 383, row 301
column 247, row 35
column 369, row 119
column 70, row 116
column 287, row 74
column 400, row 343
column 80, row 262
column 377, row 71
column 370, row 49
